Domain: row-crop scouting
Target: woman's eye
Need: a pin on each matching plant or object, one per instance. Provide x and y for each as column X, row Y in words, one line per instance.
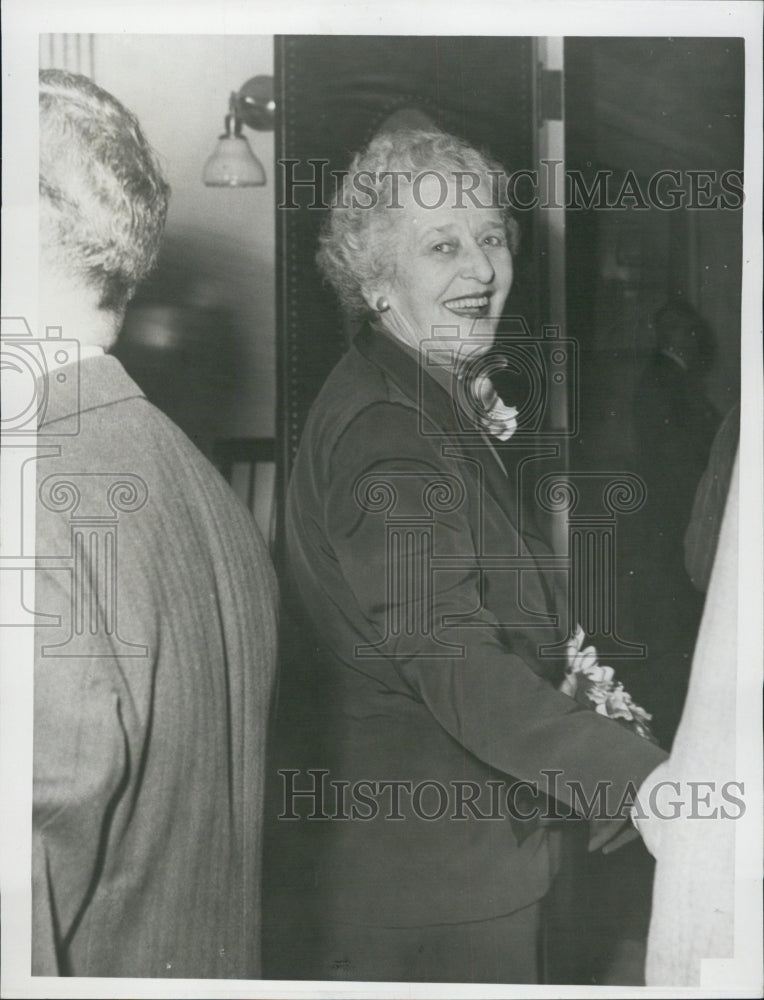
column 444, row 248
column 495, row 240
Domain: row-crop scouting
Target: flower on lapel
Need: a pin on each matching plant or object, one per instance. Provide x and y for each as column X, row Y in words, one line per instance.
column 495, row 417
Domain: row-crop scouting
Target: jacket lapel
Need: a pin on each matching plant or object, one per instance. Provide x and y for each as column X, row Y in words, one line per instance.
column 439, row 409
column 401, row 365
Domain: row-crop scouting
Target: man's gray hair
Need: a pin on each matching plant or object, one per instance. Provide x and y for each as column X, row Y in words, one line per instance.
column 103, row 196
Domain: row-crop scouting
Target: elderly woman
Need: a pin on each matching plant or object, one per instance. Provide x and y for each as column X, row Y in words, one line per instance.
column 446, row 740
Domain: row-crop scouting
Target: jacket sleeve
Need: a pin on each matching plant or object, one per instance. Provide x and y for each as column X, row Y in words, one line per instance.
column 483, row 689
column 81, row 762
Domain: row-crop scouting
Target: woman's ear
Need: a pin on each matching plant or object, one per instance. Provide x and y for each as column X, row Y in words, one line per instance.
column 370, row 295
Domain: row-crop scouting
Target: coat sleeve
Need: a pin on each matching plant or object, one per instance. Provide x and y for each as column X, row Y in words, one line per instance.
column 81, row 763
column 483, row 691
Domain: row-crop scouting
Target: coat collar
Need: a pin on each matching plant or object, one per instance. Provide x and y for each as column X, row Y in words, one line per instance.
column 430, row 394
column 84, row 385
column 428, row 389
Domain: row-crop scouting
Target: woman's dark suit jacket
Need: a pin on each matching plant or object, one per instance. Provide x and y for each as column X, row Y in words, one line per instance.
column 432, row 672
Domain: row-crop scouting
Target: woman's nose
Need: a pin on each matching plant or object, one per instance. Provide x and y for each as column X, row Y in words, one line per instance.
column 477, row 264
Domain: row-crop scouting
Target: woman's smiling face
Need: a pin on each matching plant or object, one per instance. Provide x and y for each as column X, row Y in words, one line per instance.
column 452, row 268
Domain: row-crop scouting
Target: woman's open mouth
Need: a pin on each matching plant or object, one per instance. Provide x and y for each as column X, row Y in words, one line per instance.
column 471, row 306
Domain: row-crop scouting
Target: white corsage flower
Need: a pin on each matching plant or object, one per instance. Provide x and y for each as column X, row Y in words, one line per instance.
column 594, row 685
column 496, row 418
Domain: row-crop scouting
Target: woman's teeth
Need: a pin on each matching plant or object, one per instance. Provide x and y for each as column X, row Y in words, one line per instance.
column 468, row 304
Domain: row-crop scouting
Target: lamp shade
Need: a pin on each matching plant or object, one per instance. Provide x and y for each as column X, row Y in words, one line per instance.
column 233, row 164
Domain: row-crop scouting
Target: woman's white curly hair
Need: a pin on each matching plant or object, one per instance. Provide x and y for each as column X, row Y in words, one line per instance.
column 103, row 197
column 357, row 242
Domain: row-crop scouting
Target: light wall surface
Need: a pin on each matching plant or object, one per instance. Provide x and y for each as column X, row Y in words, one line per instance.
column 178, row 86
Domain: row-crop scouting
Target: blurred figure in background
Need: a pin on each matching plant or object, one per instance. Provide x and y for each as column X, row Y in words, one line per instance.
column 674, row 423
column 153, row 679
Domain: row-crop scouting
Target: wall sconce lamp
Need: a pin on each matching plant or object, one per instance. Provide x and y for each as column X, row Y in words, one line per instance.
column 233, row 164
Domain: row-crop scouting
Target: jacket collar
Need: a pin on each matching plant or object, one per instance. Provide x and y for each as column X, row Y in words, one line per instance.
column 429, row 389
column 429, row 394
column 86, row 385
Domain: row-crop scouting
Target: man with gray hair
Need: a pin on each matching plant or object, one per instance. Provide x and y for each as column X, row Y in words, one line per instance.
column 155, row 656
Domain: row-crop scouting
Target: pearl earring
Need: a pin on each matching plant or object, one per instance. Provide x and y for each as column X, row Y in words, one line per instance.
column 382, row 305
